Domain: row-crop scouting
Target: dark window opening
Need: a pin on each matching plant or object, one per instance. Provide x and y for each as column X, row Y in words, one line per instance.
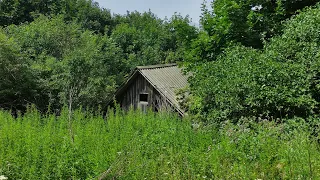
column 143, row 97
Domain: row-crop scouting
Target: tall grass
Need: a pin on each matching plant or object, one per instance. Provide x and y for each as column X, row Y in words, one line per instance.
column 136, row 145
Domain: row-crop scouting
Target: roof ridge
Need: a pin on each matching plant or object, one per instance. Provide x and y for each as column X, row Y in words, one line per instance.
column 156, row 66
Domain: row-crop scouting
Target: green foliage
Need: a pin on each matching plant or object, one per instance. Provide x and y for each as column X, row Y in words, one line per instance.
column 78, row 54
column 247, row 22
column 71, row 64
column 280, row 81
column 138, row 145
column 87, row 13
column 246, row 83
column 250, row 71
column 17, row 83
column 146, row 39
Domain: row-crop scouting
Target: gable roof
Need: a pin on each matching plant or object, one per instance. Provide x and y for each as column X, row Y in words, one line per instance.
column 166, row 79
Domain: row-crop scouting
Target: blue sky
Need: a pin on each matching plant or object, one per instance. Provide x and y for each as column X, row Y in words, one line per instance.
column 161, row 8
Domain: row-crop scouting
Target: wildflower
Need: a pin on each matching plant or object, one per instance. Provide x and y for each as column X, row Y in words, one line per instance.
column 209, row 148
column 280, row 166
column 256, row 8
column 2, row 177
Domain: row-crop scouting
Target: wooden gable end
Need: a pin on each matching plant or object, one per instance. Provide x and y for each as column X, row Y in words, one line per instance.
column 139, row 93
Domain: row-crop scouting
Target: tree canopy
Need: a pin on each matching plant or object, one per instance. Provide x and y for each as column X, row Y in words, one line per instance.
column 72, row 51
column 278, row 81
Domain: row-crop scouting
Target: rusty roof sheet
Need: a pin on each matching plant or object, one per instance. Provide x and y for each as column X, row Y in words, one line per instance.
column 167, row 79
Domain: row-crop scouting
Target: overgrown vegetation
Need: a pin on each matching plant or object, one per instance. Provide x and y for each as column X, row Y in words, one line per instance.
column 136, row 145
column 57, row 52
column 249, row 59
column 279, row 81
column 253, row 100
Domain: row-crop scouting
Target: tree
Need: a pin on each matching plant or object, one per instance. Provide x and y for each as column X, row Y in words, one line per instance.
column 146, row 39
column 79, row 53
column 17, row 85
column 279, row 81
column 86, row 12
column 248, row 22
column 70, row 62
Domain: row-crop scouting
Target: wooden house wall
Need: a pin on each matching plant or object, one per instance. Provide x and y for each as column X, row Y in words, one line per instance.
column 130, row 97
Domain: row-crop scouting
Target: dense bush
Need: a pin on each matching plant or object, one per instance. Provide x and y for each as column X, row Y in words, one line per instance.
column 280, row 81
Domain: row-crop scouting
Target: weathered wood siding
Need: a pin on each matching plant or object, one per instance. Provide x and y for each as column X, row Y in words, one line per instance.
column 131, row 96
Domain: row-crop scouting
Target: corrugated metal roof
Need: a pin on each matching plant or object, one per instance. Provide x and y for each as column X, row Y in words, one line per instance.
column 167, row 79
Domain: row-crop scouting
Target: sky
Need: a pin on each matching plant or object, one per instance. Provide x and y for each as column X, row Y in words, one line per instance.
column 161, row 8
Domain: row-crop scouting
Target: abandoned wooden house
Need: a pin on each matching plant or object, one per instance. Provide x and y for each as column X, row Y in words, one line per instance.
column 153, row 87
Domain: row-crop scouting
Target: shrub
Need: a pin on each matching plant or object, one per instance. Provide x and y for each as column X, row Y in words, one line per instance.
column 280, row 81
